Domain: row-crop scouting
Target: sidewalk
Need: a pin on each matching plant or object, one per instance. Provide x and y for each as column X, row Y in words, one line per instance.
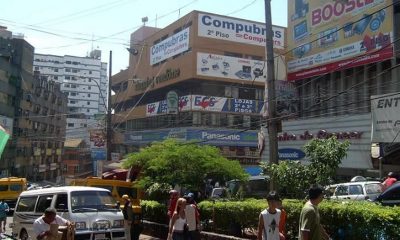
column 147, row 237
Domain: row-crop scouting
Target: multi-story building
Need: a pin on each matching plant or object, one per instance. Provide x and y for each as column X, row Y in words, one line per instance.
column 76, row 160
column 213, row 67
column 36, row 108
column 338, row 60
column 41, row 127
column 84, row 80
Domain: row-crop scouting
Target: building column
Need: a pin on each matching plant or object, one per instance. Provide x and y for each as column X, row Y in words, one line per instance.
column 395, row 76
column 365, row 93
column 379, row 78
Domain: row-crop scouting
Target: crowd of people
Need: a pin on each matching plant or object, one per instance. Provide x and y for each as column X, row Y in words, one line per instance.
column 185, row 218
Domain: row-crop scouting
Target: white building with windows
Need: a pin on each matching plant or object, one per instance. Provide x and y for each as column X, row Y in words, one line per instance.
column 84, row 80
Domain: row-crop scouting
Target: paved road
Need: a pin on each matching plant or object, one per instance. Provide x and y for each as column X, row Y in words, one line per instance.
column 10, row 219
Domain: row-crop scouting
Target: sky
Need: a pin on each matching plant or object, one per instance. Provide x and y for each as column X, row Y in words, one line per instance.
column 75, row 27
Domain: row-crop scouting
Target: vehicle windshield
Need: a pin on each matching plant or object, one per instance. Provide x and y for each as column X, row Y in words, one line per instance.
column 373, row 188
column 89, row 201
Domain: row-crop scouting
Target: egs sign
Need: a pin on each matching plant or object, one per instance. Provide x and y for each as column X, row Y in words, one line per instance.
column 204, row 102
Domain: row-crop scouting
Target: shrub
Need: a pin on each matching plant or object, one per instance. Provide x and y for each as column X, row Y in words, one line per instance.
column 352, row 220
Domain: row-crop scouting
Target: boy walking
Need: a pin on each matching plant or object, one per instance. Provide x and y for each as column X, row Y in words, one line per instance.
column 269, row 220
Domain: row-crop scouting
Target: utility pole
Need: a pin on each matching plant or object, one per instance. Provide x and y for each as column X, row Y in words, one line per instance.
column 109, row 130
column 270, row 90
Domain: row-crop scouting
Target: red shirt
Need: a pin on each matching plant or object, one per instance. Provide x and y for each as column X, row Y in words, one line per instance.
column 172, row 206
column 389, row 182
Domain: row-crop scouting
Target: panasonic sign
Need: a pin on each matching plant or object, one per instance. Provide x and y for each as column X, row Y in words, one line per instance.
column 218, row 136
column 170, row 47
column 229, row 29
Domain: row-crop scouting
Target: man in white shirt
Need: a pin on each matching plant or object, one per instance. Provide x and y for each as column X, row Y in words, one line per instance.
column 41, row 226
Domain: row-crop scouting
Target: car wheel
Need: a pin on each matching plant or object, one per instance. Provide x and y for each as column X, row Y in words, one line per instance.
column 23, row 235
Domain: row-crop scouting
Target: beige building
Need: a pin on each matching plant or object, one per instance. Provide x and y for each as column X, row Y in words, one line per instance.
column 214, row 64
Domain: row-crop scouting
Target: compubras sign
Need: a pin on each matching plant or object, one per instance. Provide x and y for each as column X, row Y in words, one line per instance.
column 170, row 47
column 230, row 29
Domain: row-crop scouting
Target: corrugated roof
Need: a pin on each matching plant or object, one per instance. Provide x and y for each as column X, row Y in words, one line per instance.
column 73, row 143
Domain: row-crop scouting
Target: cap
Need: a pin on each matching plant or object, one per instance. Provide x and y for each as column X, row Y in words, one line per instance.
column 191, row 195
column 126, row 197
column 391, row 174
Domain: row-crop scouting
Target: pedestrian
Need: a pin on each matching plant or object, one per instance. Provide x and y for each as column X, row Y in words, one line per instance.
column 41, row 226
column 269, row 220
column 4, row 208
column 192, row 218
column 127, row 222
column 390, row 179
column 310, row 227
column 178, row 225
column 173, row 197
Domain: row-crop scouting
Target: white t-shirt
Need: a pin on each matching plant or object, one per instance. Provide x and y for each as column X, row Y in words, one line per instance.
column 40, row 226
column 190, row 213
column 271, row 224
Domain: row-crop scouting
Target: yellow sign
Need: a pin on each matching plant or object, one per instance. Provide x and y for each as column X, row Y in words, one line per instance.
column 325, row 34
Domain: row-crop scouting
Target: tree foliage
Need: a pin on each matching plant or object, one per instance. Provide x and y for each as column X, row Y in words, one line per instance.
column 183, row 164
column 325, row 156
column 293, row 177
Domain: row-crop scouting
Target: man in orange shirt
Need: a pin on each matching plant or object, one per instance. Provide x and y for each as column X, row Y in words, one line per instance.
column 389, row 180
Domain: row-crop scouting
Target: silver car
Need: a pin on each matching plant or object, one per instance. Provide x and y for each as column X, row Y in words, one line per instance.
column 367, row 190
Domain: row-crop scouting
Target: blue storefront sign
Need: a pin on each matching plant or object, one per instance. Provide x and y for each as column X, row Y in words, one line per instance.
column 243, row 106
column 290, row 154
column 202, row 136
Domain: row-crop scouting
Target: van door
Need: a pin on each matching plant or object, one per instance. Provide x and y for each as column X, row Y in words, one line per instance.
column 342, row 192
column 61, row 205
column 356, row 192
column 25, row 215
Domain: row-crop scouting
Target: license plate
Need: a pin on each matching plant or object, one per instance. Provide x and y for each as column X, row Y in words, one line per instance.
column 100, row 236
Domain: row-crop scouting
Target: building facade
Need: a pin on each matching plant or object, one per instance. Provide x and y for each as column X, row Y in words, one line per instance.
column 212, row 67
column 76, row 160
column 33, row 110
column 337, row 71
column 84, row 80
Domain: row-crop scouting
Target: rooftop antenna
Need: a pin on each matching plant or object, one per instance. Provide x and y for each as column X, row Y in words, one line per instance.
column 156, row 20
column 144, row 20
column 92, row 42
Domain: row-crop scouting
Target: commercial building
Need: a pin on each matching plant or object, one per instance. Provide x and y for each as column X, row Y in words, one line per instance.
column 338, row 60
column 84, row 80
column 76, row 160
column 200, row 78
column 32, row 109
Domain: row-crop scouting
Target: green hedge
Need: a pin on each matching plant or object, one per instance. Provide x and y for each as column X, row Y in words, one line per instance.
column 353, row 220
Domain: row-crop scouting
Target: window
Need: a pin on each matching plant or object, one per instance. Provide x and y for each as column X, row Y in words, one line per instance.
column 87, row 103
column 71, row 125
column 62, row 203
column 89, row 87
column 72, row 102
column 37, row 68
column 88, row 94
column 67, row 77
column 75, row 70
column 68, row 69
column 90, row 72
column 56, row 77
column 342, row 190
column 373, row 188
column 26, row 204
column 132, row 192
column 3, row 188
column 73, row 93
column 87, row 110
column 73, row 86
column 43, row 203
column 68, row 62
column 90, row 80
column 55, row 69
column 355, row 190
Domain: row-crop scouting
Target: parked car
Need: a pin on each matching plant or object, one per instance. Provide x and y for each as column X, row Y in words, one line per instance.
column 368, row 190
column 391, row 196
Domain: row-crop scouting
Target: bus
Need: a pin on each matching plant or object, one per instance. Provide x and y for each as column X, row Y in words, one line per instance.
column 10, row 189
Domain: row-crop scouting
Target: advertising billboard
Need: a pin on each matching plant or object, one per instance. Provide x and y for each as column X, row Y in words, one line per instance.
column 212, row 65
column 170, row 47
column 209, row 104
column 327, row 35
column 385, row 111
column 237, row 30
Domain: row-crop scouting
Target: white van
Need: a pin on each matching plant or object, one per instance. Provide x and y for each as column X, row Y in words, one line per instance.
column 93, row 210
